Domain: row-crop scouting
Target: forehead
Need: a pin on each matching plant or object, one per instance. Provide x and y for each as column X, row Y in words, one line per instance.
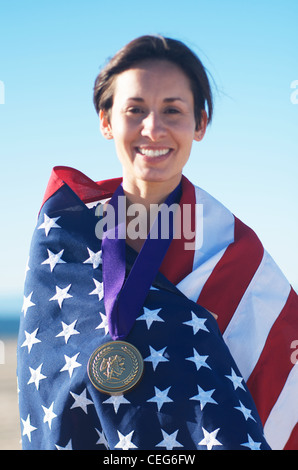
column 158, row 77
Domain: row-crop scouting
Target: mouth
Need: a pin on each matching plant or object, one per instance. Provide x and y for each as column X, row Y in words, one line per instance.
column 154, row 153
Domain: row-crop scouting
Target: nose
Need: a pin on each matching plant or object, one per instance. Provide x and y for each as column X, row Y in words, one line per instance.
column 153, row 127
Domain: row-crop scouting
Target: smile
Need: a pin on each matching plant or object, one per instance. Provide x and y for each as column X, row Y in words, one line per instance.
column 153, row 153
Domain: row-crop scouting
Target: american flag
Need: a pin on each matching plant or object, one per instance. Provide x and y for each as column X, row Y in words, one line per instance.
column 193, row 395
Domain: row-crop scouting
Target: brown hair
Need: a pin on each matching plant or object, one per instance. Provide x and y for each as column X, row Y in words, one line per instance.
column 155, row 47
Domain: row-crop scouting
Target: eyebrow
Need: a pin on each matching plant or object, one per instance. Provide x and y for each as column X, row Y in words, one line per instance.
column 166, row 100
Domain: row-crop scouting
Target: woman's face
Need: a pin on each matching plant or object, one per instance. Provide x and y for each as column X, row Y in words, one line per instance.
column 152, row 122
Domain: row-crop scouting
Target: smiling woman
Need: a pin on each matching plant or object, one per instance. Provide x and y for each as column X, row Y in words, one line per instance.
column 192, row 346
column 152, row 122
column 151, row 100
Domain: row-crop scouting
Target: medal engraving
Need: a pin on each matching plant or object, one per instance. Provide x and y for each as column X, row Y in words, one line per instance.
column 115, row 367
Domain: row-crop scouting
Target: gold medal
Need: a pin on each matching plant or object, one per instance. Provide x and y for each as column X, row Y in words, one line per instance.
column 115, row 367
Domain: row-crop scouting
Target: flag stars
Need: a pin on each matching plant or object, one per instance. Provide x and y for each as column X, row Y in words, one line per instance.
column 125, row 441
column 169, row 398
column 49, row 415
column 36, row 376
column 161, row 397
column 204, row 397
column 245, row 411
column 103, row 324
column 68, row 331
column 27, row 303
column 156, row 357
column 251, row 444
column 102, row 439
column 61, row 295
column 27, row 267
column 169, row 440
column 30, row 340
column 81, row 401
column 54, row 259
column 116, row 401
column 198, row 360
column 210, row 439
column 196, row 323
column 98, row 289
column 94, row 258
column 67, row 447
column 235, row 379
column 70, row 364
column 150, row 316
column 27, row 427
column 48, row 224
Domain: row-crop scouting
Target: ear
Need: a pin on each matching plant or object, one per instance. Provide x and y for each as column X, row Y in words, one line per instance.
column 105, row 126
column 200, row 131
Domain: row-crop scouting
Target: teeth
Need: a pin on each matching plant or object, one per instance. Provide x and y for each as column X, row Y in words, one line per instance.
column 153, row 153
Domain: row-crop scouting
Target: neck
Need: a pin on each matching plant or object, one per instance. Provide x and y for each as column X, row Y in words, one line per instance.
column 147, row 193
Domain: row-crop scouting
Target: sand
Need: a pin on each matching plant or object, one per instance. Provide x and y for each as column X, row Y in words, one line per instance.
column 10, row 434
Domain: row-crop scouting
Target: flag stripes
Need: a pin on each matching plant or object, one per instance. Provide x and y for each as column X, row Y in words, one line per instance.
column 284, row 415
column 257, row 312
column 270, row 374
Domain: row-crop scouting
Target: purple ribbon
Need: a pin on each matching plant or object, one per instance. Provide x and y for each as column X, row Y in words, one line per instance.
column 124, row 299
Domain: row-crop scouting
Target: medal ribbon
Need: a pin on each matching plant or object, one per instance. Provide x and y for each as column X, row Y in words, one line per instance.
column 124, row 299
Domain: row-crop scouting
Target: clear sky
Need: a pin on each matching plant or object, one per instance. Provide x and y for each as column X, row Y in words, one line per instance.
column 50, row 54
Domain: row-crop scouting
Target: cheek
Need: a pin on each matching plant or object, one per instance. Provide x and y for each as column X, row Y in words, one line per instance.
column 123, row 132
column 123, row 146
column 186, row 138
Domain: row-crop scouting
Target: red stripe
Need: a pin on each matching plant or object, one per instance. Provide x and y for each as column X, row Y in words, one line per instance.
column 292, row 443
column 87, row 189
column 53, row 185
column 178, row 262
column 232, row 275
column 274, row 365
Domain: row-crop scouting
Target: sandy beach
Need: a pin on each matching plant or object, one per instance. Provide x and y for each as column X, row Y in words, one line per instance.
column 10, row 434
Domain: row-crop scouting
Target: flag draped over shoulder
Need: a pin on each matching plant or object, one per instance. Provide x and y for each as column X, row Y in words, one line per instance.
column 198, row 371
column 233, row 276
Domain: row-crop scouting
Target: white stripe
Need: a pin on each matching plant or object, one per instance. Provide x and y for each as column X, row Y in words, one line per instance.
column 92, row 204
column 284, row 415
column 257, row 311
column 192, row 285
column 215, row 225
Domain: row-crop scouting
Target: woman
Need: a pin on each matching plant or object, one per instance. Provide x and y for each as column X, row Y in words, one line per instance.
column 121, row 343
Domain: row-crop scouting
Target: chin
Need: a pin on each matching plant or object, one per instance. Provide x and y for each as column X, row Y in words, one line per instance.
column 149, row 178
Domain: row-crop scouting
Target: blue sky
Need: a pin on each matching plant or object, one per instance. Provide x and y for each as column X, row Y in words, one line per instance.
column 50, row 54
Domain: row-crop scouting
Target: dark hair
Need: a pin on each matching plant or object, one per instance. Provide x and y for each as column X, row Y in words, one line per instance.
column 155, row 47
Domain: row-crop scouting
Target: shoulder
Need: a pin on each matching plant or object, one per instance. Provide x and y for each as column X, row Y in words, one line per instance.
column 84, row 187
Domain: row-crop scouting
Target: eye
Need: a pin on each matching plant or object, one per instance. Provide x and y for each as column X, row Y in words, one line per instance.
column 135, row 110
column 172, row 110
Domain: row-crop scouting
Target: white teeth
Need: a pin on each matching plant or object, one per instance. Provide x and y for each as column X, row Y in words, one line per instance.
column 153, row 153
